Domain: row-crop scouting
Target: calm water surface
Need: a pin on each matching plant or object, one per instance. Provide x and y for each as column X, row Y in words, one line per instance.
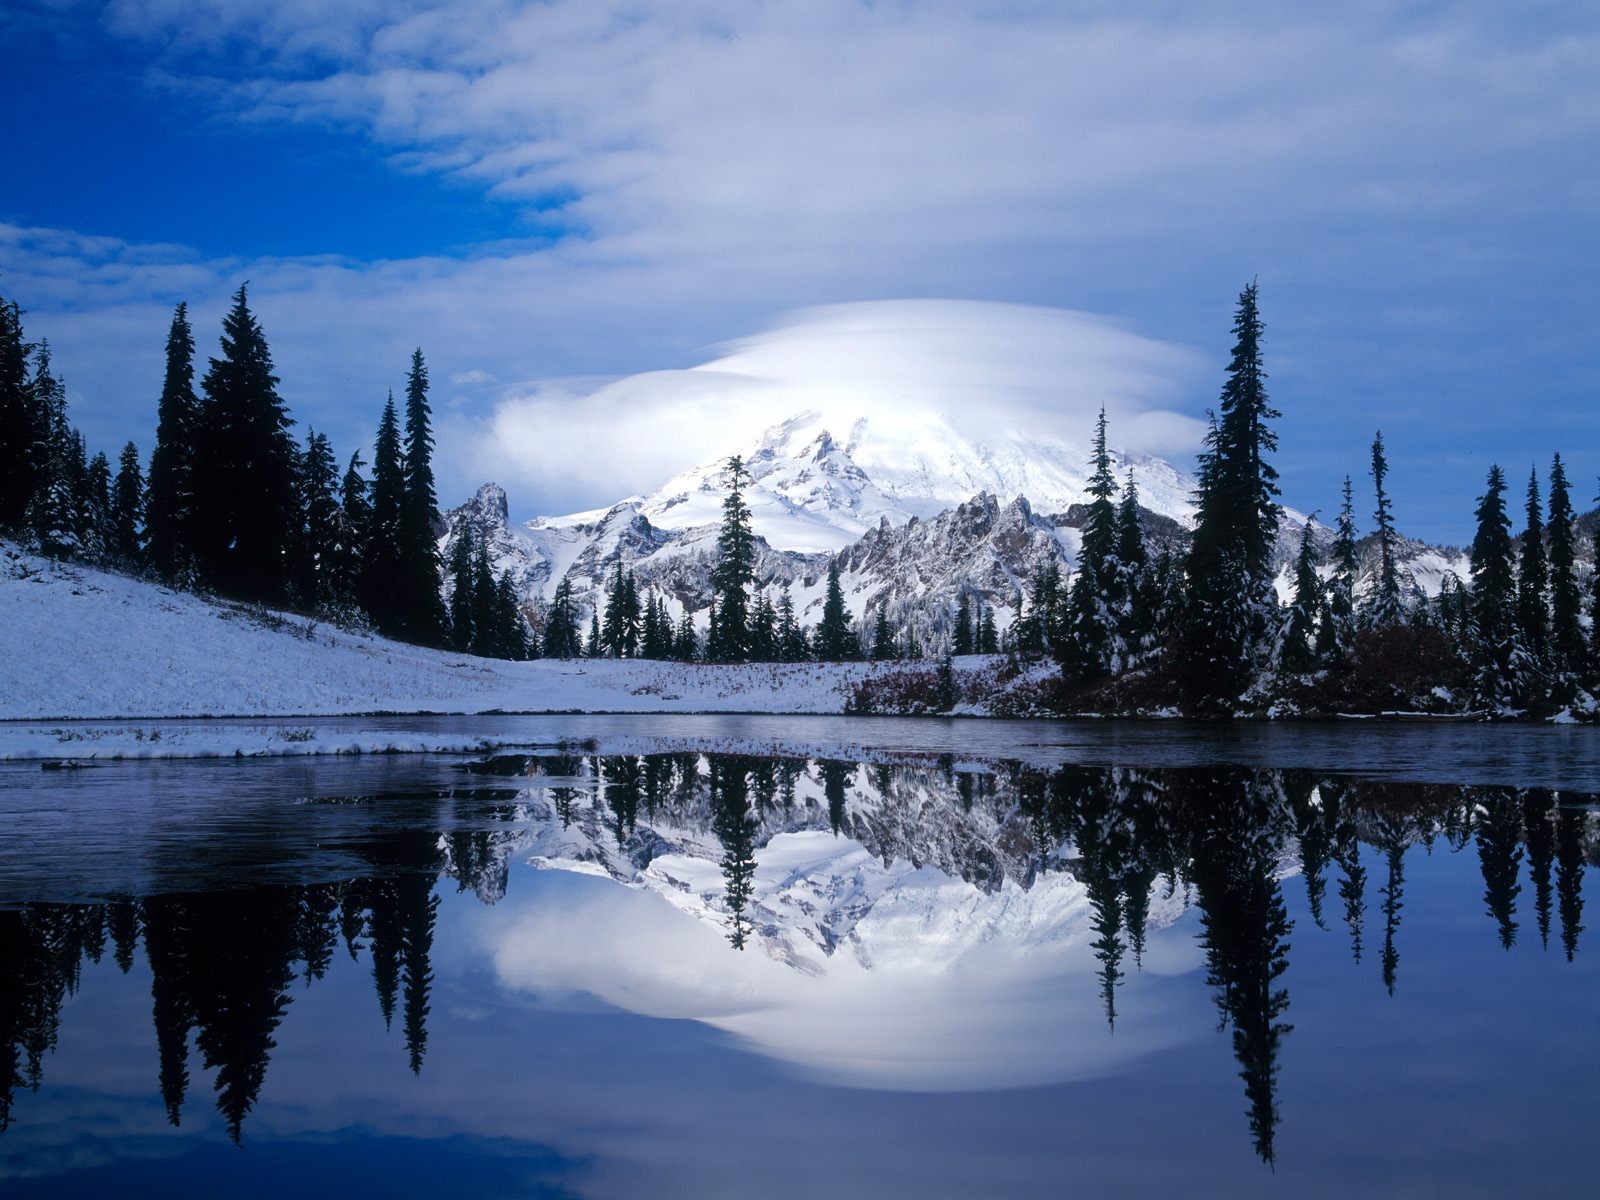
column 726, row 956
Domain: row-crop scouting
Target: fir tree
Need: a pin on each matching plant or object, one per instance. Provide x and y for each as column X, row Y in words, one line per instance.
column 462, row 582
column 595, row 646
column 835, row 640
column 883, row 644
column 53, row 519
column 18, row 421
column 355, row 520
column 169, row 503
column 1231, row 608
column 1296, row 652
column 685, row 645
column 1385, row 602
column 961, row 641
column 127, row 508
column 988, row 636
column 1566, row 632
column 419, row 609
column 244, row 512
column 1135, row 627
column 1342, row 587
column 485, row 613
column 320, row 580
column 380, row 575
column 561, row 625
column 763, row 634
column 791, row 638
column 734, row 571
column 1533, row 577
column 1496, row 647
column 94, row 507
column 1090, row 647
column 512, row 641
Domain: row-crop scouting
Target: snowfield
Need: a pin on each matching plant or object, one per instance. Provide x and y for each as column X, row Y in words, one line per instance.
column 81, row 643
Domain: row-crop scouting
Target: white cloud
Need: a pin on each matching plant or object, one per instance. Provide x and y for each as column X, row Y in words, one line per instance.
column 985, row 369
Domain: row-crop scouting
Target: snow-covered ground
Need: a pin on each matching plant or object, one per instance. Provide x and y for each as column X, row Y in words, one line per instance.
column 82, row 643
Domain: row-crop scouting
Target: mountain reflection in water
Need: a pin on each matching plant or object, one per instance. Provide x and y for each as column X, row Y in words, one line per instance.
column 877, row 921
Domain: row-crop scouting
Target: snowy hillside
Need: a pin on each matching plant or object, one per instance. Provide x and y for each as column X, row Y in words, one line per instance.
column 98, row 644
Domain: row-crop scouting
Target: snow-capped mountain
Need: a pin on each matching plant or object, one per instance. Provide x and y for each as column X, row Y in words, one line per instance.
column 915, row 513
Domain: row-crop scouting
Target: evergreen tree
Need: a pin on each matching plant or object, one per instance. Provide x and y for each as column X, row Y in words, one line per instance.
column 320, row 583
column 94, row 507
column 883, row 645
column 18, row 452
column 1566, row 632
column 419, row 608
column 611, row 629
column 462, row 582
column 1342, row 587
column 355, row 519
column 1231, row 609
column 988, row 636
column 1496, row 647
column 380, row 574
column 1533, row 577
column 791, row 638
column 763, row 635
column 835, row 640
column 595, row 647
column 1044, row 598
column 685, row 645
column 54, row 517
column 1296, row 651
column 561, row 625
column 1385, row 601
column 1090, row 648
column 734, row 571
column 127, row 508
column 486, row 628
column 170, row 501
column 961, row 641
column 244, row 512
column 512, row 641
column 1135, row 627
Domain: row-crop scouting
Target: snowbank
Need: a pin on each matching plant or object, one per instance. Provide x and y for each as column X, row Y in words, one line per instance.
column 82, row 643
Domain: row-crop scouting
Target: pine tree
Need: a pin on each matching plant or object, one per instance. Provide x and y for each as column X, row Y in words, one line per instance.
column 18, row 423
column 462, row 580
column 53, row 518
column 763, row 636
column 127, row 508
column 595, row 648
column 1135, row 627
column 512, row 639
column 734, row 571
column 1385, row 605
column 1090, row 647
column 883, row 644
column 611, row 629
column 323, row 519
column 835, row 640
column 485, row 612
column 1533, row 577
column 419, row 608
column 94, row 507
column 1494, row 597
column 170, row 500
column 1566, row 632
column 355, row 522
column 1296, row 651
column 380, row 575
column 561, row 624
column 1342, row 587
column 1231, row 610
column 244, row 512
column 988, row 637
column 961, row 641
column 685, row 645
column 1033, row 632
column 791, row 638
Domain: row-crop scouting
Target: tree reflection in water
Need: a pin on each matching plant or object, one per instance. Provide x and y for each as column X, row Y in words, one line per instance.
column 224, row 962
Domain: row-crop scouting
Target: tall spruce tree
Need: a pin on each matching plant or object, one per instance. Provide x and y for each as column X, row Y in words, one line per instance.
column 127, row 509
column 170, row 499
column 419, row 608
column 1533, row 577
column 320, row 577
column 245, row 512
column 961, row 637
column 884, row 648
column 1135, row 627
column 461, row 585
column 18, row 452
column 355, row 522
column 1385, row 606
column 54, row 516
column 561, row 638
column 94, row 507
column 1494, row 597
column 1297, row 648
column 380, row 575
column 734, row 571
column 1090, row 647
column 835, row 639
column 1566, row 630
column 1231, row 611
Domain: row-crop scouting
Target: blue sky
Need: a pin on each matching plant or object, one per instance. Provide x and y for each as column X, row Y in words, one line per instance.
column 549, row 196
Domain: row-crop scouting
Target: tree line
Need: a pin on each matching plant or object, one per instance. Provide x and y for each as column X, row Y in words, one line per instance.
column 233, row 504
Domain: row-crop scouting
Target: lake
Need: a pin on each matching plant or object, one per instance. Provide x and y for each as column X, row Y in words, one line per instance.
column 708, row 956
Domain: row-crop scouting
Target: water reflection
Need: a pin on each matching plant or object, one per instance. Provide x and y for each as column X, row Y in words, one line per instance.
column 862, row 896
